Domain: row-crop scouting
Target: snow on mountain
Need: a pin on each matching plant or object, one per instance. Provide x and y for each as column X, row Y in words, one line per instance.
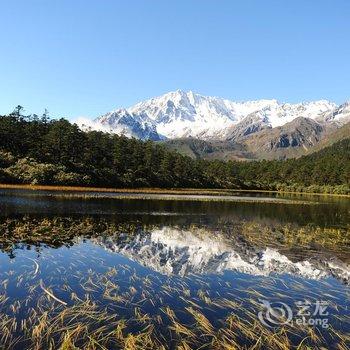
column 121, row 122
column 186, row 114
column 339, row 114
column 183, row 114
column 172, row 251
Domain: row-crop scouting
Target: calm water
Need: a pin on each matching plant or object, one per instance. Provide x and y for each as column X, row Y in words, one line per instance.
column 133, row 273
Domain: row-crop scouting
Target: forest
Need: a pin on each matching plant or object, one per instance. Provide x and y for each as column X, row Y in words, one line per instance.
column 38, row 150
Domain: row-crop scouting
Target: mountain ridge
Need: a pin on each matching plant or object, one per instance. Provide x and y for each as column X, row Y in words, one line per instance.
column 251, row 125
column 182, row 114
column 173, row 251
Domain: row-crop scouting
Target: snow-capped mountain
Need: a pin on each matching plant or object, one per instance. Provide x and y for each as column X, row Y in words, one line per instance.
column 339, row 114
column 181, row 114
column 122, row 122
column 172, row 251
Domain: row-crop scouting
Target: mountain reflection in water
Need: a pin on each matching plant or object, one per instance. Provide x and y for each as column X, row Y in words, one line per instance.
column 173, row 251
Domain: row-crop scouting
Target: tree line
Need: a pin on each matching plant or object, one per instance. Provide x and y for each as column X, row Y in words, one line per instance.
column 38, row 150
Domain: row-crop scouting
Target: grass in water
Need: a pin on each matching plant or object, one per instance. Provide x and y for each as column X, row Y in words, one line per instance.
column 66, row 304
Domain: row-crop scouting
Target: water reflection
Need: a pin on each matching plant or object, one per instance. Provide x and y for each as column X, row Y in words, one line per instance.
column 320, row 211
column 173, row 251
column 110, row 274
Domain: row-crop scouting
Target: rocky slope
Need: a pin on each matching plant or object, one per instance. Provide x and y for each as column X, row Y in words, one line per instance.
column 290, row 140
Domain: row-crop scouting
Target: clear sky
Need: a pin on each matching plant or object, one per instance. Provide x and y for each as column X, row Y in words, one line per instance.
column 87, row 57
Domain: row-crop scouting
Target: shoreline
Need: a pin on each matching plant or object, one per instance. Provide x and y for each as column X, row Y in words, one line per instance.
column 170, row 191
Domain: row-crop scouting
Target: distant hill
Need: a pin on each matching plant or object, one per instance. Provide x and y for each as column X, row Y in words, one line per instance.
column 196, row 149
column 300, row 137
column 338, row 135
column 288, row 141
column 324, row 171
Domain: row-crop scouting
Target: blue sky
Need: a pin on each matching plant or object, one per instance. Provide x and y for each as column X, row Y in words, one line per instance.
column 84, row 57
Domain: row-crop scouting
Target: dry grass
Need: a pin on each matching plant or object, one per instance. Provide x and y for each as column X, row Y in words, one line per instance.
column 68, row 305
column 182, row 191
column 87, row 322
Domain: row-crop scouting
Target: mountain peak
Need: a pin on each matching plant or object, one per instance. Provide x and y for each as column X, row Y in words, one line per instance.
column 181, row 113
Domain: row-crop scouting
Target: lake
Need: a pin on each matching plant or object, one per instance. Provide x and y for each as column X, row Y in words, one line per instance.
column 136, row 271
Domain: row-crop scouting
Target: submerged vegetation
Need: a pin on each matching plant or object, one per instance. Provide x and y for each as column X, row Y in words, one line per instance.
column 93, row 317
column 295, row 236
column 87, row 298
column 36, row 150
